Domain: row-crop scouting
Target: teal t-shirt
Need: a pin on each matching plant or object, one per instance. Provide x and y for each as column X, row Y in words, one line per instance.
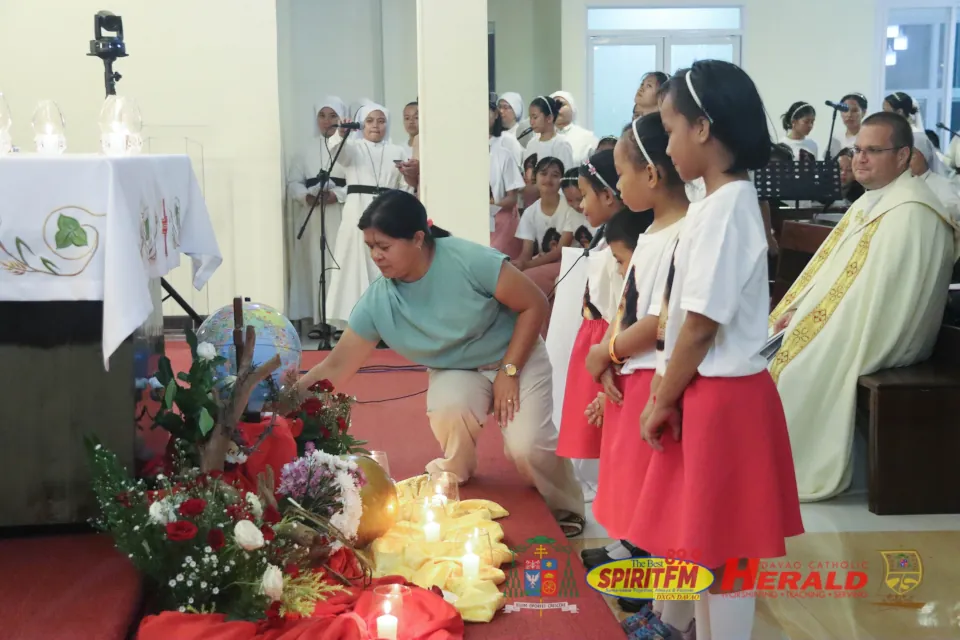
column 449, row 318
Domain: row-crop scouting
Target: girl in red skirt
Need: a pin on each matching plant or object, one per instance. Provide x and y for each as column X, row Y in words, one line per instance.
column 720, row 483
column 600, row 204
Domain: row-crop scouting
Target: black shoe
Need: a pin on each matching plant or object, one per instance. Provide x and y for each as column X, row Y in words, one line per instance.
column 632, row 606
column 382, row 345
column 595, row 557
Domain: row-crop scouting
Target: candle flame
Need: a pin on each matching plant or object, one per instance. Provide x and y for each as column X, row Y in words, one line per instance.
column 386, row 607
column 469, row 548
column 430, row 516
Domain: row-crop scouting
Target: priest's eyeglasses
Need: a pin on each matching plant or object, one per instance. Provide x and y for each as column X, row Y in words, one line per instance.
column 872, row 152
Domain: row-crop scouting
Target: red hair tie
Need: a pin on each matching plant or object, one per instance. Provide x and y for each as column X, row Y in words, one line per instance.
column 429, row 223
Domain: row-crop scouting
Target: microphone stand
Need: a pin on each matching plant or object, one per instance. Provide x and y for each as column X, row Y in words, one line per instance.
column 326, row 331
column 833, row 123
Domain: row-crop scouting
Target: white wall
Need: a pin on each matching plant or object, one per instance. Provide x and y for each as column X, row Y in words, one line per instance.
column 811, row 50
column 528, row 55
column 204, row 70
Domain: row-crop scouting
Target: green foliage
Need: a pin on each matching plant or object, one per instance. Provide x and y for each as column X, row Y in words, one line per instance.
column 326, row 422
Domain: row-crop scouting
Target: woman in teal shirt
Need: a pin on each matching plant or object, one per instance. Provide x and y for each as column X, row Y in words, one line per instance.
column 463, row 311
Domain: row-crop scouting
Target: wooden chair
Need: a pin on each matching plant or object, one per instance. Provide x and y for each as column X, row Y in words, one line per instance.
column 798, row 242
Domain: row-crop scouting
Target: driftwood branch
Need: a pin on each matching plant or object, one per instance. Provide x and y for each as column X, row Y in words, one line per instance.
column 214, row 453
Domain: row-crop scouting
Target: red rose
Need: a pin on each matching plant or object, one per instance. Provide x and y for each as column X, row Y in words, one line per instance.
column 193, row 507
column 181, row 530
column 268, row 533
column 123, row 498
column 342, row 424
column 312, row 406
column 271, row 515
column 216, row 539
column 292, row 570
column 237, row 512
column 324, row 386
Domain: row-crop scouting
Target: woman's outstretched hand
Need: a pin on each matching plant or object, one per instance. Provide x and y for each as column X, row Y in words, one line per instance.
column 506, row 398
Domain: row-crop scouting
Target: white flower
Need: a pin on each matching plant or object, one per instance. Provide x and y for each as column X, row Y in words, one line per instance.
column 173, row 583
column 216, row 591
column 255, row 507
column 347, row 520
column 179, row 577
column 162, row 512
column 207, row 550
column 203, row 585
column 272, row 583
column 248, row 536
column 206, row 351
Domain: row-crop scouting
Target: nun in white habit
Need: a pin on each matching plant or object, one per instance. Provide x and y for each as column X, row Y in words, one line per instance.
column 512, row 110
column 583, row 141
column 370, row 164
column 303, row 189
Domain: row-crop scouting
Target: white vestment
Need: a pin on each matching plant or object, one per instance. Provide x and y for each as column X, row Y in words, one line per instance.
column 370, row 164
column 871, row 298
column 305, row 264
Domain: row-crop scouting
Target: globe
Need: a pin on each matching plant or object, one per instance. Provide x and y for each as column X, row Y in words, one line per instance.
column 275, row 336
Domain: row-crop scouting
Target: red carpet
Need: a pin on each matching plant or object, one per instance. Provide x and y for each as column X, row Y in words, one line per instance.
column 78, row 589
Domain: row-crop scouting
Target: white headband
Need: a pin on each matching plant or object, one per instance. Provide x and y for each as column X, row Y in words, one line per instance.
column 696, row 98
column 643, row 149
column 805, row 104
column 547, row 102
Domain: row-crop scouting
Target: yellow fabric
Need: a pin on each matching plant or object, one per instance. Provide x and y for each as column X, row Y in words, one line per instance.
column 873, row 301
column 403, row 551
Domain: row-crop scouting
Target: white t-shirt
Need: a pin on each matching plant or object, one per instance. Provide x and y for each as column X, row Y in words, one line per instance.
column 841, row 142
column 696, row 190
column 604, row 281
column 504, row 176
column 534, row 223
column 648, row 266
column 721, row 273
column 509, row 143
column 807, row 144
column 558, row 147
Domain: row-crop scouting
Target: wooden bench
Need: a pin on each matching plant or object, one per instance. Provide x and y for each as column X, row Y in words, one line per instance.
column 913, row 432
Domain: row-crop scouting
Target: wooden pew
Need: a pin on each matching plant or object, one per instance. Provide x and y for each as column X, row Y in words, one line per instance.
column 913, row 432
column 798, row 242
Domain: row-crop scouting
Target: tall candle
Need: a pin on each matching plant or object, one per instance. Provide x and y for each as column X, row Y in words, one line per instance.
column 387, row 624
column 431, row 529
column 471, row 564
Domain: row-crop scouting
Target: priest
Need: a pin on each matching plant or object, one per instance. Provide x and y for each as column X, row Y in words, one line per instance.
column 871, row 298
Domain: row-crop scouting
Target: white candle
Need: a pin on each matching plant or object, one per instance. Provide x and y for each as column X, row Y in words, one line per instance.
column 115, row 143
column 471, row 564
column 387, row 624
column 48, row 143
column 431, row 530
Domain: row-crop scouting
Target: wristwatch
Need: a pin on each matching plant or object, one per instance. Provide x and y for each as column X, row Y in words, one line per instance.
column 510, row 370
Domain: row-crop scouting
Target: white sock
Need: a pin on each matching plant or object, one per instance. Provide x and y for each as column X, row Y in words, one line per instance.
column 620, row 553
column 613, row 546
column 701, row 612
column 731, row 616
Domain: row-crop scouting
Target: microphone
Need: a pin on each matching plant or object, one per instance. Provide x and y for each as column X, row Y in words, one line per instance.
column 350, row 125
column 525, row 133
column 942, row 126
column 838, row 106
column 597, row 237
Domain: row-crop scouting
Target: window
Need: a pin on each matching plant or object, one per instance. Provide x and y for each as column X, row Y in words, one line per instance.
column 627, row 43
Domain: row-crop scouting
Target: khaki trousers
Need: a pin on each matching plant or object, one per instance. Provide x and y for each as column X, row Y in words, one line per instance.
column 458, row 403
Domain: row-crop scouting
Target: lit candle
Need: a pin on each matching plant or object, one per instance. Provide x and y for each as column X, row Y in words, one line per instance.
column 48, row 143
column 387, row 624
column 431, row 530
column 471, row 564
column 115, row 143
column 439, row 499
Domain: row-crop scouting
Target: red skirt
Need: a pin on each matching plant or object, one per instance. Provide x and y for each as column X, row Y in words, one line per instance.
column 624, row 456
column 503, row 238
column 727, row 490
column 579, row 438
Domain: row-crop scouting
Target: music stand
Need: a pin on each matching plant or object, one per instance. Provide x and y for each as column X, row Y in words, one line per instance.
column 814, row 180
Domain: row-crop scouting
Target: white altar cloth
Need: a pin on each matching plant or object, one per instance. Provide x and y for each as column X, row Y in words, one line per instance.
column 89, row 227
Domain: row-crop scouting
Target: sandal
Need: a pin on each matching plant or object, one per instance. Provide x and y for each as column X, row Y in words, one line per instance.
column 572, row 525
column 315, row 334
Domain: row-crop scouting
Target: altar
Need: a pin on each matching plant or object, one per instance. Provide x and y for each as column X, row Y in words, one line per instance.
column 84, row 241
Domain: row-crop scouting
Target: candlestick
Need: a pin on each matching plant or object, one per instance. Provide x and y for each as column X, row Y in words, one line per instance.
column 431, row 529
column 387, row 624
column 471, row 564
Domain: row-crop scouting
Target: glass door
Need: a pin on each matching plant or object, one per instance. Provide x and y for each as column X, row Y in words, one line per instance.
column 681, row 52
column 616, row 65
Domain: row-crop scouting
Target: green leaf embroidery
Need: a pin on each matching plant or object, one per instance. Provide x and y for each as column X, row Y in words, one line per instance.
column 52, row 268
column 206, row 422
column 69, row 232
column 20, row 247
column 170, row 394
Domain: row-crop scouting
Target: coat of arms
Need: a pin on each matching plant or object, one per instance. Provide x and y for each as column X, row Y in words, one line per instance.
column 536, row 573
column 903, row 571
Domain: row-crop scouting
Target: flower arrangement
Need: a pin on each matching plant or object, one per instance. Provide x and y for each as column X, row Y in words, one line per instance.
column 327, row 486
column 323, row 421
column 204, row 545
